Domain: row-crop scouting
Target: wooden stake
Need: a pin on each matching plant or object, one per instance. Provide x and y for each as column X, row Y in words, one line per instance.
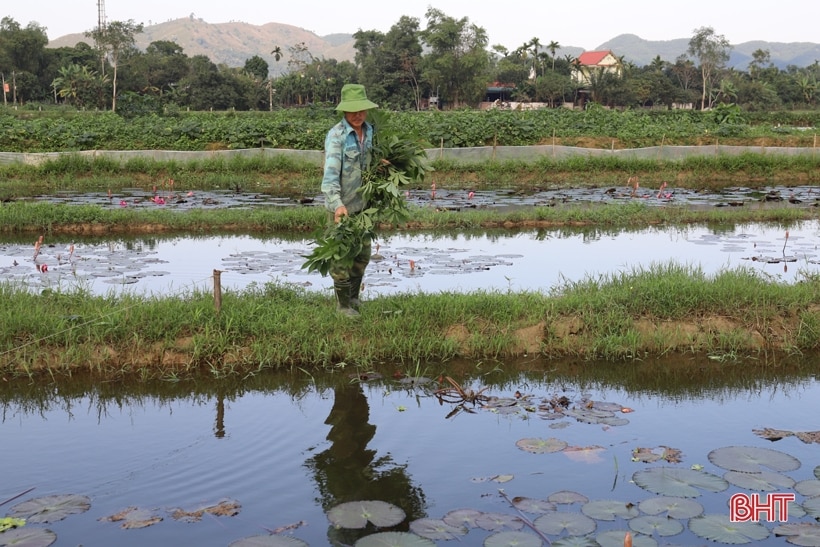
column 218, row 290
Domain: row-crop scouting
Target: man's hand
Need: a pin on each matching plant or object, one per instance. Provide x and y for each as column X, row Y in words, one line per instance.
column 340, row 212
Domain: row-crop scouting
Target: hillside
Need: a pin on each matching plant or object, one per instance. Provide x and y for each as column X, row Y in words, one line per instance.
column 235, row 42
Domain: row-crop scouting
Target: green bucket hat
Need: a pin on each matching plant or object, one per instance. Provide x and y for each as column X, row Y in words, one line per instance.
column 354, row 99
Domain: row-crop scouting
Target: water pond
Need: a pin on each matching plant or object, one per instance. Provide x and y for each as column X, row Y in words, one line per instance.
column 572, row 453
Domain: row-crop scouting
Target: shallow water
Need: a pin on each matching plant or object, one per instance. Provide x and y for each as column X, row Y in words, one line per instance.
column 500, row 260
column 289, row 448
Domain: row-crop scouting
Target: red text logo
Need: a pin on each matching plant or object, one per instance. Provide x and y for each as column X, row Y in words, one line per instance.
column 750, row 507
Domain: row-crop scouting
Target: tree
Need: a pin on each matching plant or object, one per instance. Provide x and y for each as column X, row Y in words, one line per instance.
column 23, row 57
column 113, row 40
column 553, row 46
column 257, row 67
column 458, row 59
column 712, row 50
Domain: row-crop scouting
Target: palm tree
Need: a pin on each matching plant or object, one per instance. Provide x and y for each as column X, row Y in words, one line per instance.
column 553, row 47
column 535, row 43
column 277, row 53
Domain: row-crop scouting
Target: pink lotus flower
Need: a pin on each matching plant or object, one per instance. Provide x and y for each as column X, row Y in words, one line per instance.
column 123, row 203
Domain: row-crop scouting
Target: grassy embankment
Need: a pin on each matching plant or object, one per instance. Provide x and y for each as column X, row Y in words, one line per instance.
column 658, row 311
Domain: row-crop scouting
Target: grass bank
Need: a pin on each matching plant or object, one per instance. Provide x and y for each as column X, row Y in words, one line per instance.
column 659, row 311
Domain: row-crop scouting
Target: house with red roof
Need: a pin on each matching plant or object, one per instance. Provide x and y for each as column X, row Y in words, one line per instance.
column 590, row 62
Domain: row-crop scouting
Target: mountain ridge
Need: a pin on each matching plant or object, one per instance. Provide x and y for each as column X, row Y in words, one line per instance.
column 233, row 43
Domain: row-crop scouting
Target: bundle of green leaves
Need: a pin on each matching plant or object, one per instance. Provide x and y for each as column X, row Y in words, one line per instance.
column 395, row 162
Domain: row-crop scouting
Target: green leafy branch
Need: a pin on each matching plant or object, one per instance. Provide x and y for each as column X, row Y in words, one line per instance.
column 395, row 163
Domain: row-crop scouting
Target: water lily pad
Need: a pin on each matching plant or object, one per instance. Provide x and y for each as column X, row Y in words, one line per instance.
column 584, row 454
column 812, row 507
column 609, row 510
column 809, row 488
column 672, row 481
column 575, row 541
column 268, row 541
column 672, row 507
column 356, row 514
column 497, row 521
column 817, row 472
column 615, row 538
column 531, row 505
column 134, row 517
column 462, row 517
column 394, row 539
column 751, row 459
column 801, row 533
column 763, row 482
column 718, row 527
column 436, row 529
column 513, row 539
column 567, row 497
column 574, row 524
column 651, row 455
column 50, row 508
column 27, row 537
column 651, row 525
column 541, row 446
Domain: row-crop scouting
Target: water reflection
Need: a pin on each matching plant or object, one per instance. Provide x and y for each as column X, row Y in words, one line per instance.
column 288, row 447
column 429, row 262
column 350, row 471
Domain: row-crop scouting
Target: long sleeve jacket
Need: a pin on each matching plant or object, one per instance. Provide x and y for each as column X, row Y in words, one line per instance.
column 345, row 159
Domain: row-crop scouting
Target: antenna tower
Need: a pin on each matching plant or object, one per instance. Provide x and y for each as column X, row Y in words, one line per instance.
column 101, row 15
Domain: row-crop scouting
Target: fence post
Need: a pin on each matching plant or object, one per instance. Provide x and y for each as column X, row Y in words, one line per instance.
column 218, row 290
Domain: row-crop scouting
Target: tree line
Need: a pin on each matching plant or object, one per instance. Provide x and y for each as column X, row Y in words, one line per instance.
column 450, row 59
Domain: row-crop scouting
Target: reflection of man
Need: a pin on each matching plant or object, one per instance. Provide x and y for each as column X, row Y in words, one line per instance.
column 348, row 471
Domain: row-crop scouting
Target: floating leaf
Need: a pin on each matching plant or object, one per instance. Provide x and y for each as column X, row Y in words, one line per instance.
column 575, row 541
column 764, row 482
column 584, row 454
column 673, row 507
column 531, row 505
column 268, row 541
column 802, row 533
column 8, row 523
column 394, row 539
column 463, row 517
column 651, row 525
column 436, row 529
column 496, row 521
column 541, row 446
column 501, row 479
column 356, row 514
column 817, row 472
column 134, row 517
column 772, row 434
column 751, row 459
column 567, row 497
column 573, row 524
column 28, row 537
column 808, row 437
column 684, row 483
column 513, row 539
column 717, row 527
column 615, row 538
column 812, row 507
column 227, row 508
column 50, row 508
column 609, row 510
column 809, row 488
column 650, row 455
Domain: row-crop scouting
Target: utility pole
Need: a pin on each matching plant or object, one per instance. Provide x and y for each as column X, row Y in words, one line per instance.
column 101, row 29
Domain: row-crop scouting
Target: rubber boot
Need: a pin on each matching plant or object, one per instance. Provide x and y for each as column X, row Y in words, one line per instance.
column 355, row 287
column 342, row 289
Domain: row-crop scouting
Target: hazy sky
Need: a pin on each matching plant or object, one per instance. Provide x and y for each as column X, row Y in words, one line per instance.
column 581, row 24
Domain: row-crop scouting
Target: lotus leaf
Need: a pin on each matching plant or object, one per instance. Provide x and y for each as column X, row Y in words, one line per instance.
column 584, row 454
column 676, row 508
column 50, row 508
column 8, row 523
column 541, row 446
column 567, row 497
column 573, row 524
column 134, row 517
column 609, row 510
column 752, row 459
column 436, row 529
column 802, row 533
column 672, row 481
column 615, row 538
column 817, row 472
column 650, row 525
column 462, row 517
column 575, row 541
column 268, row 541
column 718, row 527
column 764, row 482
column 511, row 539
column 809, row 488
column 394, row 539
column 812, row 507
column 530, row 505
column 356, row 514
column 27, row 537
column 496, row 521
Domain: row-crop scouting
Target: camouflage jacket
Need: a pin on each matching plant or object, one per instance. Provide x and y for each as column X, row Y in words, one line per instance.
column 344, row 162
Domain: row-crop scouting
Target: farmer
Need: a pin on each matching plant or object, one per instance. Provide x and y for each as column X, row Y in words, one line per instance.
column 347, row 154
